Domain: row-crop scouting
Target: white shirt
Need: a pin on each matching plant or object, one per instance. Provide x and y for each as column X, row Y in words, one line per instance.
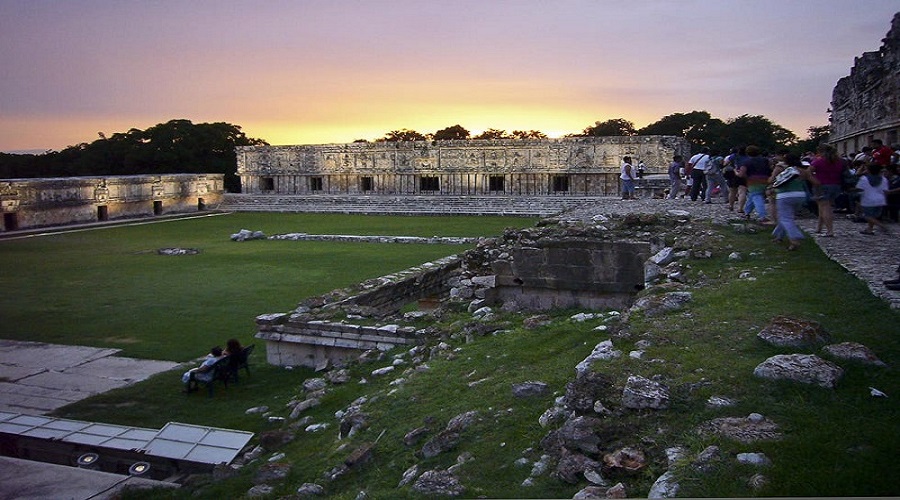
column 699, row 161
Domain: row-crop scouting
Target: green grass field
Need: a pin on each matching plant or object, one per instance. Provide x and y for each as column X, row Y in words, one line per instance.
column 108, row 287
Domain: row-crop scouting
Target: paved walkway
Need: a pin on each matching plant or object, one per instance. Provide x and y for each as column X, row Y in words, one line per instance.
column 37, row 378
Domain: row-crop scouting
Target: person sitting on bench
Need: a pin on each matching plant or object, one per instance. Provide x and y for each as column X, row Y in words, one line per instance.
column 202, row 373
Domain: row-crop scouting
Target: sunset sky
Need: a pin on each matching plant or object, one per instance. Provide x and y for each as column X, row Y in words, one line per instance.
column 311, row 72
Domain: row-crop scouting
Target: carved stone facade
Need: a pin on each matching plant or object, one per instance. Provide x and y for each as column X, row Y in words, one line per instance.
column 33, row 203
column 583, row 166
column 866, row 104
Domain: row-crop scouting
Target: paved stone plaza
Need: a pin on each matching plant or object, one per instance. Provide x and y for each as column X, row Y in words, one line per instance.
column 37, row 378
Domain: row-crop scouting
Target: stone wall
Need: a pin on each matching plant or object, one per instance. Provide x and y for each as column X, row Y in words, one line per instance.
column 866, row 104
column 34, row 203
column 538, row 269
column 586, row 166
column 560, row 273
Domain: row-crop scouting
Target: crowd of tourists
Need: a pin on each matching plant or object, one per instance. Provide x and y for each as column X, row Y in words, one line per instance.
column 772, row 188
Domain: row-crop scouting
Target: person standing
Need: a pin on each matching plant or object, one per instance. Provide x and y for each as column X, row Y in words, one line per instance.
column 627, row 176
column 675, row 169
column 715, row 177
column 756, row 170
column 881, row 154
column 697, row 166
column 789, row 197
column 874, row 189
column 826, row 175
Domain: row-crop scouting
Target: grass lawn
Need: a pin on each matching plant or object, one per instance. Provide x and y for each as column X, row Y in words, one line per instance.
column 109, row 288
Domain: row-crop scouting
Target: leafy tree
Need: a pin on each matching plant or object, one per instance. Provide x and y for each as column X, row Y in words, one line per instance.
column 492, row 133
column 177, row 146
column 528, row 134
column 817, row 135
column 702, row 130
column 614, row 127
column 401, row 136
column 692, row 126
column 456, row 132
column 757, row 130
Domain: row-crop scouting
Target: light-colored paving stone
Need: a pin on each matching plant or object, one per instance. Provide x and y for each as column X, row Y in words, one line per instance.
column 37, row 378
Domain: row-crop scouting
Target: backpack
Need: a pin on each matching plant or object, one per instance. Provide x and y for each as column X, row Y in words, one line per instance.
column 786, row 176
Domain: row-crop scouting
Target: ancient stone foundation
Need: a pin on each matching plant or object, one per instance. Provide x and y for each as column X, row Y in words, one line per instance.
column 527, row 270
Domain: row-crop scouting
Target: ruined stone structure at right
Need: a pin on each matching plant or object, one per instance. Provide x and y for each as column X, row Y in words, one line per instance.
column 866, row 104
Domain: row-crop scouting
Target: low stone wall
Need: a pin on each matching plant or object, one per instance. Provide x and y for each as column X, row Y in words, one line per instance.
column 34, row 203
column 302, row 338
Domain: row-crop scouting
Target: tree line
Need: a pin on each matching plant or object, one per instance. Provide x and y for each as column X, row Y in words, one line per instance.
column 698, row 127
column 179, row 146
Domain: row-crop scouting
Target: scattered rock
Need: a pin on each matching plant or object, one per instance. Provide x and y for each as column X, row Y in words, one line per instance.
column 603, row 351
column 805, row 368
column 853, row 351
column 382, row 371
column 744, row 430
column 271, row 472
column 535, row 322
column 571, row 466
column 665, row 486
column 640, row 393
column 409, row 475
column 757, row 459
column 438, row 482
column 591, row 493
column 617, row 491
column 653, row 305
column 581, row 434
column 412, row 437
column 625, row 460
column 303, row 406
column 314, row 384
column 246, row 235
column 443, row 442
column 719, row 402
column 310, row 490
column 260, row 490
column 783, row 331
column 530, row 389
column 707, row 458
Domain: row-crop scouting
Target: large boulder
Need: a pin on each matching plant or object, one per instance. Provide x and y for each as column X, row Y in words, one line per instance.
column 853, row 351
column 783, row 331
column 805, row 368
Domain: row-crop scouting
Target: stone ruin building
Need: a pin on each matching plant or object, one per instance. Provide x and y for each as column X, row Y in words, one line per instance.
column 866, row 104
column 581, row 166
column 35, row 203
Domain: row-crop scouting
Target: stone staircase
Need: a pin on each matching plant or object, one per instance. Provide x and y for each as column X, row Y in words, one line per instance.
column 524, row 206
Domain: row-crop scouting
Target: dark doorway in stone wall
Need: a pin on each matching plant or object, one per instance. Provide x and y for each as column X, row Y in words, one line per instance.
column 10, row 221
column 102, row 213
column 157, row 208
column 201, row 205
